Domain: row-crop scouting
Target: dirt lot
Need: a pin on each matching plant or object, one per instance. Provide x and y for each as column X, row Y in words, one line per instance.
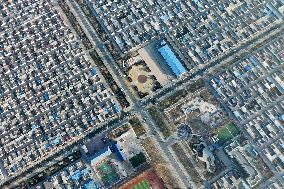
column 159, row 164
column 189, row 167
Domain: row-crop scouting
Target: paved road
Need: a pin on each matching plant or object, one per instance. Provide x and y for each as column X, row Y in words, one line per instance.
column 270, row 181
column 115, row 71
column 59, row 153
column 118, row 75
column 100, row 47
column 166, row 150
column 136, row 107
column 209, row 68
column 247, row 135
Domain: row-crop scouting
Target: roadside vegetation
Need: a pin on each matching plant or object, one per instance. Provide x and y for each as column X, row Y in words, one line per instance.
column 137, row 126
column 160, row 121
column 159, row 164
column 179, row 94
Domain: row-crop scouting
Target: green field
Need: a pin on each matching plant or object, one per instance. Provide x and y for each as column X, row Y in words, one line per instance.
column 227, row 132
column 138, row 160
column 142, row 185
column 107, row 172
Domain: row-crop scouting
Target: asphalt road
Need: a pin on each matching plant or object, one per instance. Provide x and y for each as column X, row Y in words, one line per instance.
column 229, row 57
column 136, row 107
column 139, row 105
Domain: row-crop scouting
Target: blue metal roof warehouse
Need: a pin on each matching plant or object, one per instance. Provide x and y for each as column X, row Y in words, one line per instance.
column 172, row 60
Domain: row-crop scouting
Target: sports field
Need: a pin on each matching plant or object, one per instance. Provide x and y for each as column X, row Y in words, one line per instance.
column 142, row 185
column 147, row 180
column 107, row 172
column 227, row 132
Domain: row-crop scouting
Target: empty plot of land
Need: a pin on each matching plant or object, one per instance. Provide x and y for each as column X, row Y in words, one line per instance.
column 180, row 153
column 160, row 165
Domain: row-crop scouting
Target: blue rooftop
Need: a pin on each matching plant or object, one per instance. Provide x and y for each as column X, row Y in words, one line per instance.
column 90, row 185
column 104, row 152
column 77, row 175
column 40, row 66
column 45, row 97
column 37, row 81
column 119, row 152
column 54, row 114
column 47, row 146
column 248, row 68
column 90, row 119
column 254, row 61
column 56, row 141
column 172, row 60
column 1, row 110
column 34, row 127
column 85, row 172
column 93, row 71
column 116, row 108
